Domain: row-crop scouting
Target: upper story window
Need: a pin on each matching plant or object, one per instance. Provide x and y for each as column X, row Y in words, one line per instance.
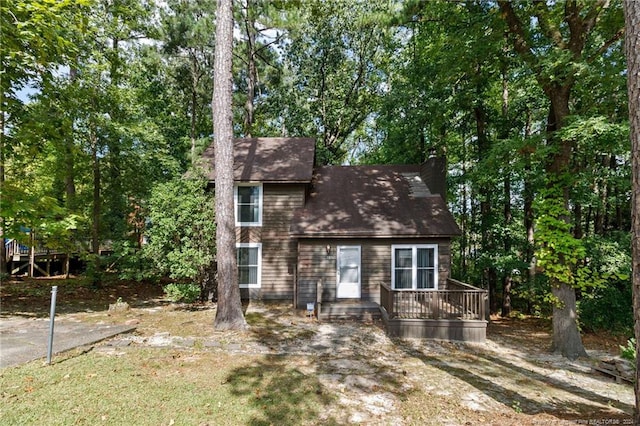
column 414, row 267
column 248, row 204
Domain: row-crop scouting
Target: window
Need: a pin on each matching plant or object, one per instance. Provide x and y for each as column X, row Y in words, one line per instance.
column 249, row 264
column 248, row 205
column 414, row 267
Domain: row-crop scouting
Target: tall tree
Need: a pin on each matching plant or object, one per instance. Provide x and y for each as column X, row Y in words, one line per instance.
column 336, row 60
column 557, row 43
column 632, row 47
column 257, row 66
column 36, row 37
column 188, row 39
column 229, row 314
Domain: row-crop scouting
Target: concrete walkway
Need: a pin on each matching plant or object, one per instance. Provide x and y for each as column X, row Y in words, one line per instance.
column 27, row 339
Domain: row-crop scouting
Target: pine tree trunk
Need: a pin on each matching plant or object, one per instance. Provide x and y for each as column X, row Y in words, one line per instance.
column 229, row 314
column 3, row 251
column 632, row 47
column 252, row 73
column 194, row 105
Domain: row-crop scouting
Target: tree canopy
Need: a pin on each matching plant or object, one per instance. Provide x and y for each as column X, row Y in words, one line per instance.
column 104, row 102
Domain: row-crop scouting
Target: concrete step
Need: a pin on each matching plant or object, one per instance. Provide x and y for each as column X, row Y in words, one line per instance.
column 364, row 311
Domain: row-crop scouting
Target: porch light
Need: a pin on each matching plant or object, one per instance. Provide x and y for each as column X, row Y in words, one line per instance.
column 328, row 249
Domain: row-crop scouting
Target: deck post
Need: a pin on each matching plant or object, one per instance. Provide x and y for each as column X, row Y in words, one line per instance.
column 67, row 262
column 318, row 297
column 32, row 254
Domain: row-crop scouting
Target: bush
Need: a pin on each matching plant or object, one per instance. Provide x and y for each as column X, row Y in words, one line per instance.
column 629, row 352
column 608, row 308
column 132, row 264
column 182, row 231
column 532, row 297
column 182, row 292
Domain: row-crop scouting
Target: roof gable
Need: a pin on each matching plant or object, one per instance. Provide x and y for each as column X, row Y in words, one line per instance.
column 372, row 201
column 268, row 160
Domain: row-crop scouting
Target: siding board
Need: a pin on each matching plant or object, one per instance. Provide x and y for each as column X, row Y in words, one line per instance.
column 278, row 249
column 314, row 264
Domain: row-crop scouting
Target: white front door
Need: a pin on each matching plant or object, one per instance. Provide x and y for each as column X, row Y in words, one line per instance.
column 348, row 280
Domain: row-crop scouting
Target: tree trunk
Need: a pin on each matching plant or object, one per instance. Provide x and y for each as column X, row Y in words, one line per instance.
column 566, row 337
column 229, row 312
column 506, row 295
column 69, row 158
column 95, row 226
column 67, row 264
column 3, row 251
column 490, row 273
column 577, row 221
column 528, row 216
column 507, row 215
column 195, row 77
column 94, row 259
column 632, row 47
column 252, row 73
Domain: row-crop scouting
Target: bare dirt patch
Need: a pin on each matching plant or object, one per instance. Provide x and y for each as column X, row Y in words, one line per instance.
column 368, row 377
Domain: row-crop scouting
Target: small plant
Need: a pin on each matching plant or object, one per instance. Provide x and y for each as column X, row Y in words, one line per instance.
column 182, row 292
column 515, row 405
column 628, row 352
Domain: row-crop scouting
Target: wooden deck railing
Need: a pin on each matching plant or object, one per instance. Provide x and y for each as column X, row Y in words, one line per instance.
column 13, row 247
column 456, row 300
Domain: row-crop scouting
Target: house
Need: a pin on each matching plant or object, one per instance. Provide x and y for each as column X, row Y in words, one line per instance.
column 350, row 239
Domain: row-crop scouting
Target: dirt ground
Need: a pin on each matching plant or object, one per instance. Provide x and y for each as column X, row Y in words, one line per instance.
column 511, row 379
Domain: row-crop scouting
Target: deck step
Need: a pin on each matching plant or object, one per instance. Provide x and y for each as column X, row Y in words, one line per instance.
column 364, row 311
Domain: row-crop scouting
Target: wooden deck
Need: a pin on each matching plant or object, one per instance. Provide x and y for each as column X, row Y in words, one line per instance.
column 32, row 261
column 35, row 260
column 456, row 312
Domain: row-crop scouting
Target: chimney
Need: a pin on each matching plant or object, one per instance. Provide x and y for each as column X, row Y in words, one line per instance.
column 434, row 174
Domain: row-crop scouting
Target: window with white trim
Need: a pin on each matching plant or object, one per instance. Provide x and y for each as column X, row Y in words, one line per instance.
column 414, row 267
column 249, row 257
column 248, row 204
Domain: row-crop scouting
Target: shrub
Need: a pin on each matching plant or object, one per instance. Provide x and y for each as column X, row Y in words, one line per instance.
column 629, row 352
column 182, row 292
column 182, row 231
column 608, row 308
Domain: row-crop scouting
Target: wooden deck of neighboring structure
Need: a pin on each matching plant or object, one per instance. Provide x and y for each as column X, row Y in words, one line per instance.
column 35, row 260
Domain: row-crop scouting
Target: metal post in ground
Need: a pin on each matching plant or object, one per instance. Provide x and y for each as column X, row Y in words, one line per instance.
column 54, row 292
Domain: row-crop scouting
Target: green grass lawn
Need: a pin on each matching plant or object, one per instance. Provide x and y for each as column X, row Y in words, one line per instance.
column 162, row 387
